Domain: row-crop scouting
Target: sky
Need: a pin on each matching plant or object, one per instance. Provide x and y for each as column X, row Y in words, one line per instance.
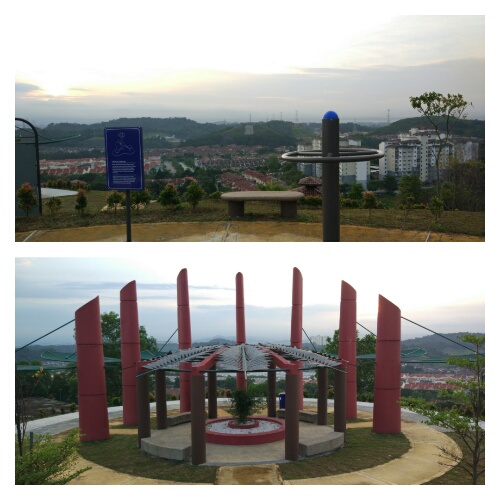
column 258, row 61
column 429, row 287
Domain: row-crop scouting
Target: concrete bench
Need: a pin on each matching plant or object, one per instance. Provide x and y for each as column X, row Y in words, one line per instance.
column 304, row 416
column 178, row 418
column 288, row 201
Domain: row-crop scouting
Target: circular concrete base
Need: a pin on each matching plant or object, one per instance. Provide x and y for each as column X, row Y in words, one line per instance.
column 247, row 438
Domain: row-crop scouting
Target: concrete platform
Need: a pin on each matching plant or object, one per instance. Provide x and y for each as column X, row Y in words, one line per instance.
column 174, row 443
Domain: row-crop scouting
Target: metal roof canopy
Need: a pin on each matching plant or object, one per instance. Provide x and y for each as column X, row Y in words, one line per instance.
column 242, row 358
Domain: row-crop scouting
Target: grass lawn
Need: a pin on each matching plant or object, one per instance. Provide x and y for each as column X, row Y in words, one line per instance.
column 469, row 223
column 364, row 449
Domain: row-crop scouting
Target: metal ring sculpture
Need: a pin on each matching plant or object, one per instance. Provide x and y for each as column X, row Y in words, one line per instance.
column 347, row 155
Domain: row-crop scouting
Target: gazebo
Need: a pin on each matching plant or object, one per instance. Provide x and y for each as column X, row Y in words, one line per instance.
column 240, row 359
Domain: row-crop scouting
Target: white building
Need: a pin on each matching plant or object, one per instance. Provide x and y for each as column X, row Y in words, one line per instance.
column 416, row 153
column 348, row 172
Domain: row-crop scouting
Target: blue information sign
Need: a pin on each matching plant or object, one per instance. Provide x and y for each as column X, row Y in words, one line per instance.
column 124, row 159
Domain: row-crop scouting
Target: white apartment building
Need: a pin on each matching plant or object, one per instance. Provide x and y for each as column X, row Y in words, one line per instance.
column 416, row 153
column 348, row 172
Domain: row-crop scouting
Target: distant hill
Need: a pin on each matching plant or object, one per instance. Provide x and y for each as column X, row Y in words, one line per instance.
column 34, row 352
column 436, row 346
column 461, row 128
column 439, row 346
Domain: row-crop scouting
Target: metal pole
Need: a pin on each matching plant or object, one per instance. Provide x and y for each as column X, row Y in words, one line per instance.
column 129, row 217
column 330, row 197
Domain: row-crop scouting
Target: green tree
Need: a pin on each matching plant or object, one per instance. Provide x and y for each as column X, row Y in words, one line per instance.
column 466, row 416
column 410, row 186
column 465, row 186
column 365, row 368
column 26, row 198
column 140, row 198
column 356, row 191
column 25, row 385
column 169, row 196
column 369, row 202
column 390, row 184
column 442, row 112
column 273, row 163
column 115, row 199
column 110, row 326
column 436, row 208
column 194, row 194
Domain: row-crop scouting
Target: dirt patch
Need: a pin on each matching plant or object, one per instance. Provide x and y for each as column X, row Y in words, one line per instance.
column 235, row 231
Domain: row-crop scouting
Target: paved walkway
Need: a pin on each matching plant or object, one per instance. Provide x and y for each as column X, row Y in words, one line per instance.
column 419, row 465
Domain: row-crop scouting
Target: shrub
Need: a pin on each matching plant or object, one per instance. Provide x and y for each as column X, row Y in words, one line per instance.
column 72, row 407
column 42, row 413
column 27, row 199
column 54, row 205
column 312, row 201
column 169, row 196
column 81, row 201
column 63, row 409
column 348, row 203
column 244, row 404
column 115, row 199
column 194, row 194
column 215, row 195
column 49, row 462
column 139, row 199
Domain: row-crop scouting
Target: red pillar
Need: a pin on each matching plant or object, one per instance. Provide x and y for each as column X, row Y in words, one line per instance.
column 241, row 382
column 296, row 328
column 92, row 396
column 386, row 409
column 347, row 345
column 131, row 350
column 184, row 335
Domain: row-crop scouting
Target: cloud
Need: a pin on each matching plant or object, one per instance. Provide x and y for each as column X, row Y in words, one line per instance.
column 24, row 88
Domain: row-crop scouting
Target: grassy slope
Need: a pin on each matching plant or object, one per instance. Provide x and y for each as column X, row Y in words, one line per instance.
column 469, row 223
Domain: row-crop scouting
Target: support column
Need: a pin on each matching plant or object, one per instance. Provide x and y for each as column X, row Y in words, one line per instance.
column 92, row 395
column 292, row 385
column 130, row 350
column 161, row 399
column 212, row 394
column 184, row 335
column 241, row 382
column 143, row 408
column 386, row 408
column 347, row 345
column 271, row 393
column 322, row 395
column 339, row 409
column 296, row 327
column 198, row 439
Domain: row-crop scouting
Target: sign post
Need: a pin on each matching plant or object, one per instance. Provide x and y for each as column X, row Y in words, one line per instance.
column 124, row 163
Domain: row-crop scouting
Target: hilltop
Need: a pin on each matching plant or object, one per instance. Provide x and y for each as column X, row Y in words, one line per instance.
column 172, row 132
